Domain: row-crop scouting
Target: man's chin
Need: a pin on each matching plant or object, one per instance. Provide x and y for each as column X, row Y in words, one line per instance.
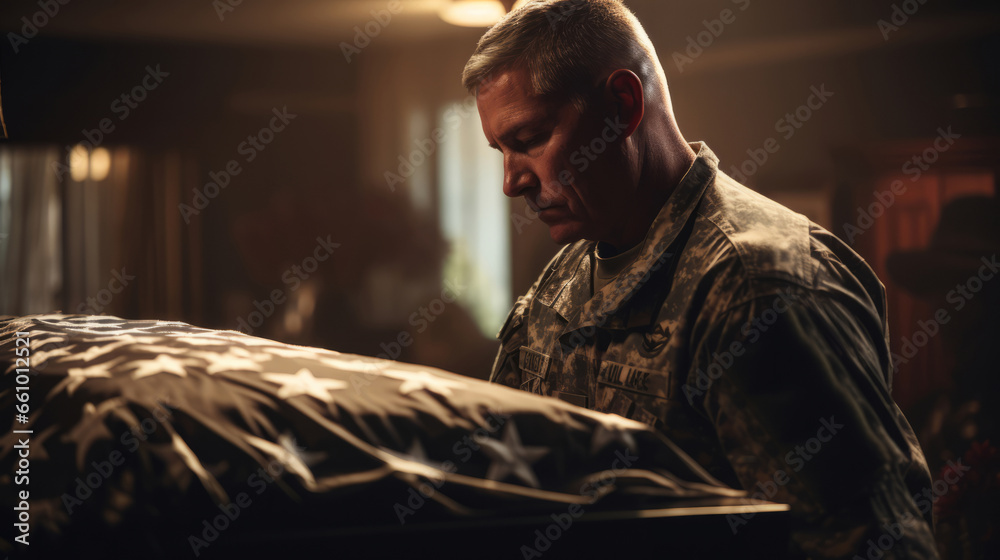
column 565, row 233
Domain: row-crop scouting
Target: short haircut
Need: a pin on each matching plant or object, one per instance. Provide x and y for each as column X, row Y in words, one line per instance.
column 568, row 47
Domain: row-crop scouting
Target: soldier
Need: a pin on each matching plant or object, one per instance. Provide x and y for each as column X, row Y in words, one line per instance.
column 753, row 338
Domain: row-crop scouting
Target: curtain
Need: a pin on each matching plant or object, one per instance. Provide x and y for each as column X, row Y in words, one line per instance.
column 30, row 231
column 98, row 232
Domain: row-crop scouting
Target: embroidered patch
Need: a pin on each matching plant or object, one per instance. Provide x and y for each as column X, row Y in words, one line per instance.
column 654, row 342
column 533, row 362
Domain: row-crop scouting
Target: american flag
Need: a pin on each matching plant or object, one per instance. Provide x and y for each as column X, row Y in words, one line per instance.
column 142, row 433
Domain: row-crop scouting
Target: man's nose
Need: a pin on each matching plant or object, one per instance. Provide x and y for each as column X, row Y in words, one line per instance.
column 516, row 178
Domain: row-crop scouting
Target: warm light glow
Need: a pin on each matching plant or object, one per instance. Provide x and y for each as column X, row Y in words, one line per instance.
column 306, row 301
column 100, row 164
column 300, row 309
column 79, row 163
column 473, row 13
column 293, row 322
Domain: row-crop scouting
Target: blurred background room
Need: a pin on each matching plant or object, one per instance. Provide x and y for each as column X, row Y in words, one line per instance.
column 312, row 170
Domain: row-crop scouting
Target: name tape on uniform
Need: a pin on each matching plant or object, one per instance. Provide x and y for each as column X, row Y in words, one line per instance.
column 533, row 362
column 631, row 378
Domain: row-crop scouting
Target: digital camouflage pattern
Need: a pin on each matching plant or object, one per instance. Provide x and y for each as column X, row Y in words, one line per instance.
column 754, row 339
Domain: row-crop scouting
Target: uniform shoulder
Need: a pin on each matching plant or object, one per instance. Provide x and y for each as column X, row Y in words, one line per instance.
column 768, row 240
column 759, row 247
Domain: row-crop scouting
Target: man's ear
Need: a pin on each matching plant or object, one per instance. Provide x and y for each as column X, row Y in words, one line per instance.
column 624, row 91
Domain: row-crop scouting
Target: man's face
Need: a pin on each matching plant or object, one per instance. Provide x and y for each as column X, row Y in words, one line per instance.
column 567, row 165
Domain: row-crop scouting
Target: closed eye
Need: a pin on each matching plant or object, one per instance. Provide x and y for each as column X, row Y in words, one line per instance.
column 532, row 141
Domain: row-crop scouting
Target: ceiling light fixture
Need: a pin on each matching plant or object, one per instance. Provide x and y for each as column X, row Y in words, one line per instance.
column 473, row 13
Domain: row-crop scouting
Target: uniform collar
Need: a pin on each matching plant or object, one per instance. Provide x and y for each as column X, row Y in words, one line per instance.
column 573, row 301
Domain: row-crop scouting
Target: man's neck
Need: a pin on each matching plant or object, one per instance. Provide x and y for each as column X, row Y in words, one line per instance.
column 662, row 166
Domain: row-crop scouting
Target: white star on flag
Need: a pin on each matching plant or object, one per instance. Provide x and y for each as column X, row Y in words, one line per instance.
column 612, row 427
column 77, row 376
column 417, row 454
column 58, row 351
column 422, row 381
column 304, row 383
column 227, row 362
column 221, row 358
column 161, row 364
column 355, row 365
column 90, row 427
column 307, row 457
column 510, row 457
column 613, row 432
column 415, row 462
column 99, row 349
column 288, row 459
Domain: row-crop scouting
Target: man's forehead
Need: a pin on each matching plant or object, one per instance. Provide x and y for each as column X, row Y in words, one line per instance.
column 508, row 85
column 509, row 101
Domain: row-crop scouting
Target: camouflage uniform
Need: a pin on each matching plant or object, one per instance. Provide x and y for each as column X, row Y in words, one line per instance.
column 755, row 340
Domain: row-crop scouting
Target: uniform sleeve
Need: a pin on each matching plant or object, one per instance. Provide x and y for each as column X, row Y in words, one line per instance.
column 795, row 389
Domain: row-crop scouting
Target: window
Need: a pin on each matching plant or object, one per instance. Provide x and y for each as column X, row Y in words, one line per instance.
column 474, row 218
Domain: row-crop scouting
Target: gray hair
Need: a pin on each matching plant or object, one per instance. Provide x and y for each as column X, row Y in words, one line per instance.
column 567, row 47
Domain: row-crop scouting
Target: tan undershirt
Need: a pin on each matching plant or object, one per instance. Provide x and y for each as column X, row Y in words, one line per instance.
column 606, row 269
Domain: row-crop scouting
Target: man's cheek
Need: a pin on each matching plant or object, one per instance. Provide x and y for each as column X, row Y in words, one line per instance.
column 552, row 193
column 564, row 175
